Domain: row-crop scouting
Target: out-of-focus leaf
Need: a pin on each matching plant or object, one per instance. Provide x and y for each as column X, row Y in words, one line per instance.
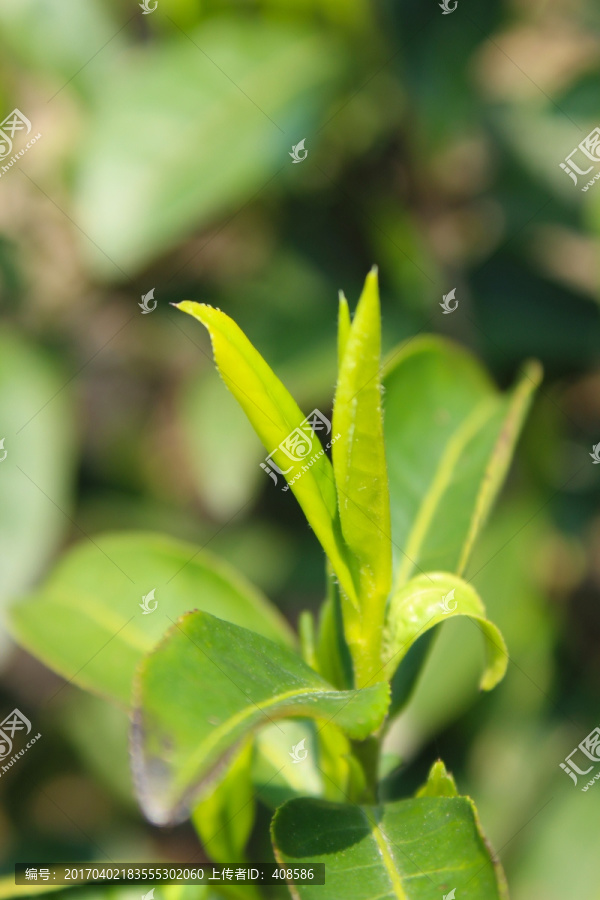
column 361, row 477
column 86, row 621
column 99, row 732
column 61, row 35
column 225, row 817
column 8, row 890
column 221, row 448
column 191, row 129
column 414, row 849
column 449, row 438
column 275, row 775
column 208, row 685
column 37, row 456
column 428, row 600
column 559, row 857
column 275, row 416
column 323, row 765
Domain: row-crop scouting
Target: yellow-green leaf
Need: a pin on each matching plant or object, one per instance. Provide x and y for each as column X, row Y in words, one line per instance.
column 428, row 600
column 275, row 416
column 360, row 472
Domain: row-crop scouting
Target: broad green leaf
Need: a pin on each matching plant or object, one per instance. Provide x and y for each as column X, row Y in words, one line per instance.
column 225, row 817
column 36, row 461
column 207, row 686
column 428, row 600
column 275, row 415
column 361, row 477
column 418, row 849
column 86, row 622
column 450, row 437
column 184, row 132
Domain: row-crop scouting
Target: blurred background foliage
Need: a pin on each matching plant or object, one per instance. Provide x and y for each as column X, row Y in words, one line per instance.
column 433, row 149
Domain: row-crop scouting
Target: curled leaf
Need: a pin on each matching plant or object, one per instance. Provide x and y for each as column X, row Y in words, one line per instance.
column 422, row 604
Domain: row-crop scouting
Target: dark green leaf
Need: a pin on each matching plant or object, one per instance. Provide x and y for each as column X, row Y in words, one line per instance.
column 417, row 849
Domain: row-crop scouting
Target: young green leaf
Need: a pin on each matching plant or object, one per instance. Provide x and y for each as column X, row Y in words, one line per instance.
column 415, row 849
column 439, row 783
column 275, row 416
column 428, row 600
column 359, row 467
column 208, row 685
column 86, row 621
column 450, row 437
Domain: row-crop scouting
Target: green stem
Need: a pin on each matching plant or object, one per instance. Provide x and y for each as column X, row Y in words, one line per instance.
column 367, row 754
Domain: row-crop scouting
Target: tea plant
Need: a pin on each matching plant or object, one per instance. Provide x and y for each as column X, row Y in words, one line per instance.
column 223, row 694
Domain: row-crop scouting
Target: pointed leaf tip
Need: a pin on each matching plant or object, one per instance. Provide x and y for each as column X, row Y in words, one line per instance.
column 275, row 416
